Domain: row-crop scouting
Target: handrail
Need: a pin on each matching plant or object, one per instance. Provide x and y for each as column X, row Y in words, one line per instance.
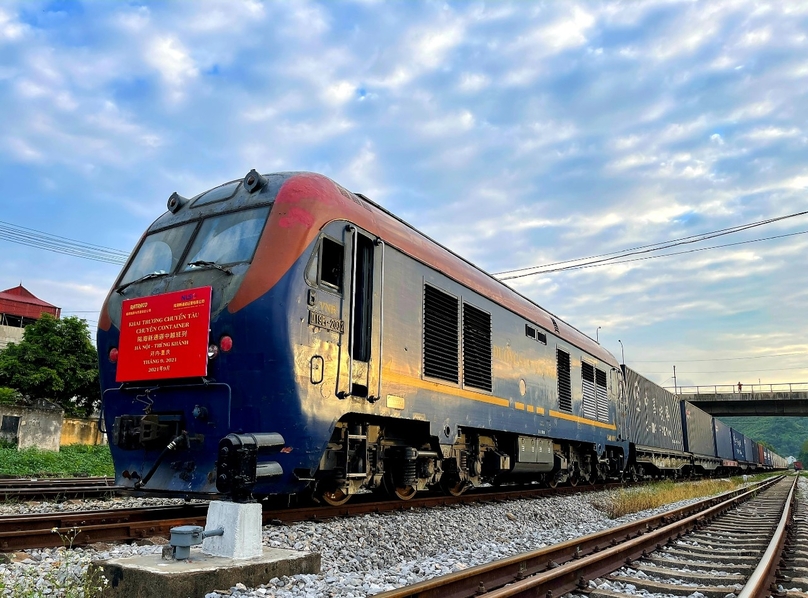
column 746, row 391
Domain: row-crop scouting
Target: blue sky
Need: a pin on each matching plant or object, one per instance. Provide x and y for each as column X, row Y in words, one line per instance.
column 516, row 134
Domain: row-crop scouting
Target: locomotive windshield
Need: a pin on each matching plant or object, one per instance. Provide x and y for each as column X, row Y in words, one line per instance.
column 160, row 252
column 226, row 239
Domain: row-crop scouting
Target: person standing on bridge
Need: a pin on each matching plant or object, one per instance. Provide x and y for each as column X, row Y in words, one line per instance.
column 740, row 387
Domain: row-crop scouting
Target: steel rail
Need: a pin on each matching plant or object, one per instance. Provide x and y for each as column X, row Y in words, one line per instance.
column 44, row 488
column 44, row 481
column 563, row 567
column 19, row 532
column 758, row 584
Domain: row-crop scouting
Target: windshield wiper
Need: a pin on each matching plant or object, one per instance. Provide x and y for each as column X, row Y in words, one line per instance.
column 123, row 287
column 204, row 264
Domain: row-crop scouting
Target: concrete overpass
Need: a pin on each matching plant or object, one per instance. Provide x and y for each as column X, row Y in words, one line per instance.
column 787, row 399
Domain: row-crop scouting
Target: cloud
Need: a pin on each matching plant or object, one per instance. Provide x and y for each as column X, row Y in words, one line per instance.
column 11, row 30
column 514, row 133
column 173, row 62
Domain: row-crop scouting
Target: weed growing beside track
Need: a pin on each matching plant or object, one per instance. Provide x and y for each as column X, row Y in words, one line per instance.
column 74, row 460
column 650, row 496
column 69, row 575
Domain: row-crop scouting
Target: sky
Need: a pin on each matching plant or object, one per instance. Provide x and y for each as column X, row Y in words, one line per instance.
column 517, row 134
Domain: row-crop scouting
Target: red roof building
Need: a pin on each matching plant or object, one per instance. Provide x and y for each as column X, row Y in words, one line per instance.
column 19, row 307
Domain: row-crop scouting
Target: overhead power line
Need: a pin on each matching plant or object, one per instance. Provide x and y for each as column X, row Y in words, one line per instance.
column 612, row 257
column 678, row 361
column 57, row 244
column 679, row 374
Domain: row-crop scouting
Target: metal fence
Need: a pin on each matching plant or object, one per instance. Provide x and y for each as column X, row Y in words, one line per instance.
column 746, row 391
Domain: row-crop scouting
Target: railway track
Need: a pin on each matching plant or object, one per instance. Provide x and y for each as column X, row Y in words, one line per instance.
column 21, row 532
column 793, row 573
column 733, row 541
column 55, row 488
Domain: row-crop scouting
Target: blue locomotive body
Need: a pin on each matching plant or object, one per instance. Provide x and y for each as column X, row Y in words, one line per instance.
column 346, row 352
column 343, row 351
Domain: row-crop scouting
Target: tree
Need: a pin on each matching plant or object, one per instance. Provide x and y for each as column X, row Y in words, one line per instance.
column 803, row 457
column 55, row 361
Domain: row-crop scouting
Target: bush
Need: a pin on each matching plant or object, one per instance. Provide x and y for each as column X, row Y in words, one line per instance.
column 9, row 396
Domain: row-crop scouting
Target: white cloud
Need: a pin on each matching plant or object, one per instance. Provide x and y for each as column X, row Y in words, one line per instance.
column 569, row 32
column 758, row 37
column 449, row 124
column 11, row 29
column 340, row 92
column 22, row 150
column 472, row 82
column 771, row 133
column 174, row 63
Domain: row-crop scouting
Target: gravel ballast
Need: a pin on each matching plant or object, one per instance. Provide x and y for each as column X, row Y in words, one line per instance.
column 368, row 554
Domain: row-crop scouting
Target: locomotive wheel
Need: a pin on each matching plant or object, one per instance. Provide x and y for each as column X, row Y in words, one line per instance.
column 404, row 492
column 454, row 488
column 400, row 492
column 553, row 482
column 574, row 479
column 335, row 497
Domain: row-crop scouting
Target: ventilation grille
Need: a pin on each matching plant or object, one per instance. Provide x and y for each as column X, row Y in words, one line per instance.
column 555, row 325
column 440, row 335
column 590, row 401
column 603, row 397
column 564, row 382
column 476, row 348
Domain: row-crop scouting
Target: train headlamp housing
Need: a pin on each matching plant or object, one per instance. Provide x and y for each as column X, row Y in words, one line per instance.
column 175, row 202
column 213, row 351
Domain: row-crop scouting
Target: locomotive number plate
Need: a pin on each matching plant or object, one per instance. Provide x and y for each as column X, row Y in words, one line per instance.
column 327, row 322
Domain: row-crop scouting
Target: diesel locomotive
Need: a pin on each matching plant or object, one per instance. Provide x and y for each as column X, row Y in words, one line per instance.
column 280, row 335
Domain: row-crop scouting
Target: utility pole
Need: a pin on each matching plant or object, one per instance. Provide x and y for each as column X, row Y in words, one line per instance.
column 676, row 392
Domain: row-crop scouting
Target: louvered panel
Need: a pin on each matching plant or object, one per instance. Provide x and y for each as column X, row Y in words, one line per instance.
column 589, row 402
column 441, row 333
column 476, row 348
column 564, row 381
column 602, row 395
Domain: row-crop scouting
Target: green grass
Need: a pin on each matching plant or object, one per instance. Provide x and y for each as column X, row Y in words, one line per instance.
column 74, row 460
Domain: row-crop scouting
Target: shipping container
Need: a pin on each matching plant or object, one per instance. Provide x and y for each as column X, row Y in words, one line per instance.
column 738, row 445
column 697, row 430
column 750, row 450
column 654, row 417
column 763, row 455
column 723, row 440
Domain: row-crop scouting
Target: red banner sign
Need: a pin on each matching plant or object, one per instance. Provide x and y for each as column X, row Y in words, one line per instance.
column 164, row 336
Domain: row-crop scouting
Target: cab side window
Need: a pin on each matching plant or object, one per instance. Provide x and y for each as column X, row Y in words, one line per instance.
column 332, row 258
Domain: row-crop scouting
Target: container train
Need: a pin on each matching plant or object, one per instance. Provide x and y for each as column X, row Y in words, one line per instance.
column 281, row 335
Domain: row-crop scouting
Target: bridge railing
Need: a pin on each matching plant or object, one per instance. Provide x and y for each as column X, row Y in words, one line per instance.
column 747, row 391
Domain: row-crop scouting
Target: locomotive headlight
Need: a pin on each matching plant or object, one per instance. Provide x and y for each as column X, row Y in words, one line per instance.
column 113, row 355
column 225, row 343
column 213, row 351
